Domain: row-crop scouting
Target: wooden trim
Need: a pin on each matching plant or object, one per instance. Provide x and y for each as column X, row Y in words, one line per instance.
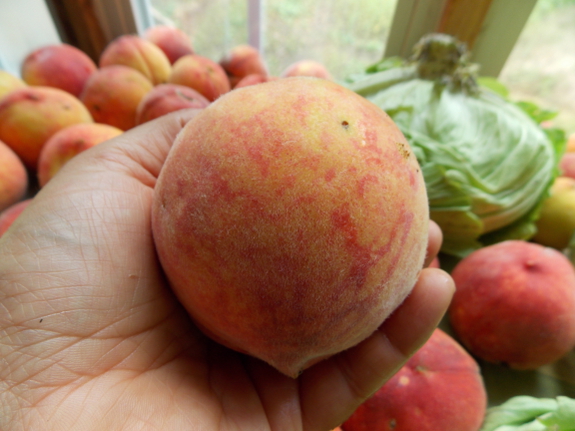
column 464, row 19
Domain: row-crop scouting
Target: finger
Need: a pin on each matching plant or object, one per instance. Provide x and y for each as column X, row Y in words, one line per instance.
column 332, row 390
column 434, row 243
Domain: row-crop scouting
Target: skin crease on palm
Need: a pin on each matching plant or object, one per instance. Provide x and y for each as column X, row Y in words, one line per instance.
column 91, row 337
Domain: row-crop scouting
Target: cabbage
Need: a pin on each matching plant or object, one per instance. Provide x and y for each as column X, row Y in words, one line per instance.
column 486, row 161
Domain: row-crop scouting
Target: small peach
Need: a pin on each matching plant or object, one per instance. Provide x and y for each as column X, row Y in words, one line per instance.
column 202, row 74
column 306, row 68
column 9, row 82
column 241, row 61
column 13, row 177
column 173, row 41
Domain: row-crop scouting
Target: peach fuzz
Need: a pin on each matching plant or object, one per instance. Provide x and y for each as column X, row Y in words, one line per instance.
column 9, row 82
column 202, row 74
column 439, row 388
column 139, row 54
column 69, row 142
column 61, row 66
column 13, row 177
column 306, row 68
column 291, row 218
column 10, row 214
column 515, row 304
column 241, row 61
column 30, row 116
column 113, row 93
column 166, row 98
column 173, row 41
column 253, row 79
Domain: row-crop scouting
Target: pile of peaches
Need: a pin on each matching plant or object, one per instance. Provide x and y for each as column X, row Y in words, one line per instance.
column 515, row 301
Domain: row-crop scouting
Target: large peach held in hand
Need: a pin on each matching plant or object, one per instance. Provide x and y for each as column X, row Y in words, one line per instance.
column 68, row 143
column 515, row 304
column 30, row 116
column 439, row 388
column 61, row 66
column 291, row 219
column 13, row 177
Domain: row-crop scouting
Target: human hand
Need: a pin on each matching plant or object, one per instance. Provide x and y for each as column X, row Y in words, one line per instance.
column 92, row 338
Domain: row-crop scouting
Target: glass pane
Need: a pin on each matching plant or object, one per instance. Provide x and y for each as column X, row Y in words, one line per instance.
column 215, row 26
column 541, row 67
column 343, row 35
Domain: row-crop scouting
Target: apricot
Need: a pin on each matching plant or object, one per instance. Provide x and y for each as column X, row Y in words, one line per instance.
column 61, row 66
column 166, row 98
column 13, row 177
column 10, row 214
column 439, row 388
column 69, row 142
column 139, row 54
column 30, row 116
column 113, row 94
column 241, row 61
column 515, row 304
column 291, row 218
column 306, row 68
column 9, row 82
column 173, row 41
column 202, row 74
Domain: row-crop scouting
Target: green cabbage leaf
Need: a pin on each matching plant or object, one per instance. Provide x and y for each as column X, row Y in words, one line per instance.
column 487, row 162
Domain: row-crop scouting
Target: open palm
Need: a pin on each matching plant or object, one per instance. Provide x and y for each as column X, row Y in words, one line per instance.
column 92, row 338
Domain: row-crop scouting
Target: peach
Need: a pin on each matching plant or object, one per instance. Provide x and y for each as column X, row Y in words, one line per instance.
column 140, row 54
column 306, row 68
column 166, row 98
column 202, row 74
column 9, row 82
column 241, row 61
column 13, row 177
column 69, row 142
column 567, row 165
column 570, row 147
column 556, row 222
column 253, row 79
column 291, row 218
column 439, row 388
column 173, row 41
column 515, row 304
column 113, row 93
column 10, row 214
column 61, row 66
column 30, row 116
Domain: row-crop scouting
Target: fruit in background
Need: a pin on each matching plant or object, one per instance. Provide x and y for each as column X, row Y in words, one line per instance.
column 9, row 82
column 439, row 388
column 13, row 177
column 567, row 165
column 241, row 61
column 30, row 116
column 306, row 68
column 202, row 74
column 140, row 54
column 291, row 219
column 166, row 98
column 113, row 94
column 10, row 214
column 556, row 223
column 61, row 66
column 253, row 79
column 173, row 41
column 515, row 304
column 570, row 148
column 69, row 142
